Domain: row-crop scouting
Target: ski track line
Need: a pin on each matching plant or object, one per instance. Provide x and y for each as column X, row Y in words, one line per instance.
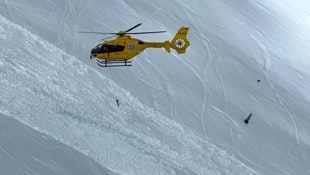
column 212, row 106
column 247, row 160
column 266, row 56
column 254, row 98
column 80, row 12
column 189, row 17
column 222, row 83
column 204, row 103
column 253, row 164
column 225, row 97
column 61, row 22
column 203, row 108
column 264, row 50
column 168, row 91
column 206, row 93
column 290, row 116
column 211, row 62
column 267, row 65
column 8, row 10
column 173, row 110
column 227, row 116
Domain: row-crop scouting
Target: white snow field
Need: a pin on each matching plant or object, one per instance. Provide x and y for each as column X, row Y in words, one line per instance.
column 179, row 114
column 57, row 94
column 26, row 151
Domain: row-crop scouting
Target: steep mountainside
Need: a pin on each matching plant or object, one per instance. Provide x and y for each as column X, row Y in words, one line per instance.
column 201, row 97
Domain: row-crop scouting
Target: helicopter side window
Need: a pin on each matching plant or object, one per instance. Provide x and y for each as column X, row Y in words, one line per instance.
column 105, row 48
column 116, row 48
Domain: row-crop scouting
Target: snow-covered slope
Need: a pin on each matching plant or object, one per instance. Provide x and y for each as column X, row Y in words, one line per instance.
column 207, row 92
column 26, row 151
column 55, row 93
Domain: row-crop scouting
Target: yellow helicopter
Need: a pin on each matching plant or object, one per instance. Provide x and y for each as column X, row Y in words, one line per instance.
column 119, row 51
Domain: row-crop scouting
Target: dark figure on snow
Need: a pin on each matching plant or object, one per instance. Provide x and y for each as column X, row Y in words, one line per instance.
column 117, row 102
column 246, row 121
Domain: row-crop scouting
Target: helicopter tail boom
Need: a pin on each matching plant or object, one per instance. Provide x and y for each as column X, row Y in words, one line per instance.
column 180, row 42
column 167, row 46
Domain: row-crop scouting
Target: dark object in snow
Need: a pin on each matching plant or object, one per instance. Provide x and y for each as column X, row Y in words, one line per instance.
column 117, row 102
column 258, row 81
column 246, row 121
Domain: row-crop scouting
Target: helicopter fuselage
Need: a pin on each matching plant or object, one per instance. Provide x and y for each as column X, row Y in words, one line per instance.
column 124, row 48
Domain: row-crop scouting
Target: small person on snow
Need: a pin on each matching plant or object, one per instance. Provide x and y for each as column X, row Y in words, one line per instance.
column 258, row 81
column 246, row 121
column 117, row 102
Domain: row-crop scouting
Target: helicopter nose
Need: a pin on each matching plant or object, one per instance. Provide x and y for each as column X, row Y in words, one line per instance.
column 93, row 53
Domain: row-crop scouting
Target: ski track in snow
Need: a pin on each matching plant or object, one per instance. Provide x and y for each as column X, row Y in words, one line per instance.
column 50, row 87
column 206, row 93
column 289, row 115
column 61, row 27
column 264, row 50
column 216, row 63
column 267, row 66
column 77, row 17
column 204, row 102
column 6, row 4
column 218, row 66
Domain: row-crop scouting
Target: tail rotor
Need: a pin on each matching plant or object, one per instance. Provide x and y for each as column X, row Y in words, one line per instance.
column 180, row 41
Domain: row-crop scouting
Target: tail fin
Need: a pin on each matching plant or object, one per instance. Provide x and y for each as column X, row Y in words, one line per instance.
column 180, row 42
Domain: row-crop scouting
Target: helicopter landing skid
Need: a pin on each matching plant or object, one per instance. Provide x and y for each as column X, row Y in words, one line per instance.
column 116, row 63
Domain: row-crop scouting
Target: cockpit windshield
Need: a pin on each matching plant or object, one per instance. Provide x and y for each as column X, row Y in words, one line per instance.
column 98, row 46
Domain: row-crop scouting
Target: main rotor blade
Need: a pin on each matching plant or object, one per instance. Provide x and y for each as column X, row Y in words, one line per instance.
column 108, row 37
column 101, row 33
column 136, row 33
column 132, row 28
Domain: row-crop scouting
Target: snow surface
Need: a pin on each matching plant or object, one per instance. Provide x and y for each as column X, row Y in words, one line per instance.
column 179, row 114
column 26, row 151
column 77, row 107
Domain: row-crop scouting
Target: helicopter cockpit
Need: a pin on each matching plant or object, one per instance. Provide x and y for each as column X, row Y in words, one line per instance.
column 100, row 48
column 105, row 48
